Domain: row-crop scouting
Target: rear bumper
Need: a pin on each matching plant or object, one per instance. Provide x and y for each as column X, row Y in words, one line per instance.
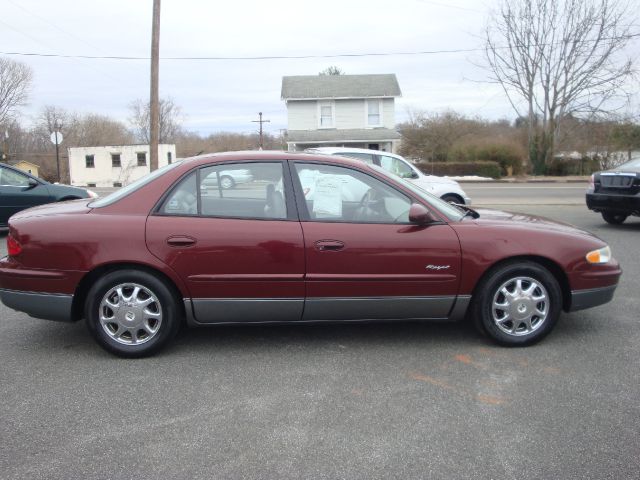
column 629, row 204
column 581, row 299
column 48, row 306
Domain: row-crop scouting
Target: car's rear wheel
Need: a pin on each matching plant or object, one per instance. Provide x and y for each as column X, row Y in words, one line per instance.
column 227, row 182
column 614, row 218
column 131, row 313
column 517, row 304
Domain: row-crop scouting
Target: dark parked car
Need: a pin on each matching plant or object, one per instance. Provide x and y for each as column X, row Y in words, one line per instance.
column 20, row 190
column 164, row 250
column 616, row 193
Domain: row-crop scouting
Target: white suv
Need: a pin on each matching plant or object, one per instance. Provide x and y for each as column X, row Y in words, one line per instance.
column 445, row 188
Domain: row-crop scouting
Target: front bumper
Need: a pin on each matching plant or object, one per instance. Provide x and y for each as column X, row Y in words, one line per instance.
column 598, row 202
column 581, row 299
column 48, row 306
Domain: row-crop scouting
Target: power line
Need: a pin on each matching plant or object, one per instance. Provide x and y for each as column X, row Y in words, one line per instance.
column 280, row 57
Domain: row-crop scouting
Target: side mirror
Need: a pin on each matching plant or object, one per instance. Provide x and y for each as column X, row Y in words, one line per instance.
column 420, row 214
column 32, row 184
column 414, row 175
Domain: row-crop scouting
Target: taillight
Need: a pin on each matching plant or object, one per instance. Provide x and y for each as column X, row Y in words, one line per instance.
column 592, row 182
column 13, row 247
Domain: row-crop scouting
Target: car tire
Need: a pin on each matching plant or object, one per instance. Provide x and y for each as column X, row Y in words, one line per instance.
column 226, row 182
column 614, row 218
column 450, row 198
column 517, row 304
column 131, row 313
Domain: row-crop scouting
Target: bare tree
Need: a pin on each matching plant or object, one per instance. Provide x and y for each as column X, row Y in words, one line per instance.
column 170, row 120
column 332, row 70
column 558, row 57
column 15, row 82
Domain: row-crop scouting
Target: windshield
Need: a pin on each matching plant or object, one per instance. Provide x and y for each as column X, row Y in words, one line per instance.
column 450, row 211
column 132, row 187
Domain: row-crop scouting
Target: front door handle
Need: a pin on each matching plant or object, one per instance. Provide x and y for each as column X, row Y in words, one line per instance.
column 181, row 241
column 329, row 245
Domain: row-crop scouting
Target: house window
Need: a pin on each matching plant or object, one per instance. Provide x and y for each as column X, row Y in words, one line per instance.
column 117, row 184
column 374, row 113
column 91, row 185
column 142, row 159
column 115, row 160
column 89, row 161
column 169, row 156
column 326, row 115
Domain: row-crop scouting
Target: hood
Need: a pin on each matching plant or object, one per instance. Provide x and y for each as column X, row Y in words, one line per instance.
column 56, row 208
column 497, row 218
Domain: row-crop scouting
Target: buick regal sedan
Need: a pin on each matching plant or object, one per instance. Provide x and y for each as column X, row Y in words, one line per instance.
column 164, row 250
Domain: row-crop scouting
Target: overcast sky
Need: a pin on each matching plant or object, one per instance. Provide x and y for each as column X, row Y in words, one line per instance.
column 226, row 95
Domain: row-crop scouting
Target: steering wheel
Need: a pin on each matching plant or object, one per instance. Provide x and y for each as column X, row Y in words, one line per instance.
column 367, row 198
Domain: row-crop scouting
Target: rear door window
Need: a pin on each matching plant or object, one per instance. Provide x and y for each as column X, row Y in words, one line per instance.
column 247, row 190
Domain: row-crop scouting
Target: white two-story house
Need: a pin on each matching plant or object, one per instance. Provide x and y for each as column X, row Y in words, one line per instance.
column 341, row 110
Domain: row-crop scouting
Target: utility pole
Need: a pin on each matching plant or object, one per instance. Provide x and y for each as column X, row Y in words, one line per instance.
column 260, row 121
column 5, row 150
column 154, row 110
column 56, row 138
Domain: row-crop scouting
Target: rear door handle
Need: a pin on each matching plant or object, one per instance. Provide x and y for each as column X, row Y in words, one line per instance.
column 181, row 241
column 329, row 245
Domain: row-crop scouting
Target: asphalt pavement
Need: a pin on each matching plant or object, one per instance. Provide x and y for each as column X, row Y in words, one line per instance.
column 405, row 400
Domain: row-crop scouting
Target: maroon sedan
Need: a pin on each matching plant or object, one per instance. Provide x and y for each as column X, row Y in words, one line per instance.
column 308, row 239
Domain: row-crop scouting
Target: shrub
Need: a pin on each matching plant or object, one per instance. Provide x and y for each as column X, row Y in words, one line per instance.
column 459, row 169
column 506, row 154
column 573, row 166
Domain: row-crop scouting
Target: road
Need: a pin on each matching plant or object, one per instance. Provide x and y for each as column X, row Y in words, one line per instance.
column 410, row 400
column 495, row 193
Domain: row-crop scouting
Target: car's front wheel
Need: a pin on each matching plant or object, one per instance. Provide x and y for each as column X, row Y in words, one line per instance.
column 517, row 304
column 131, row 313
column 451, row 198
column 614, row 218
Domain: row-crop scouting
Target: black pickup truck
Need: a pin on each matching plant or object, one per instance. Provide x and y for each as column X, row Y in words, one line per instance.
column 615, row 193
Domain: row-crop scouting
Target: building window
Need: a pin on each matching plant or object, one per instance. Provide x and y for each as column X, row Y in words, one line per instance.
column 89, row 161
column 326, row 113
column 169, row 156
column 374, row 113
column 117, row 184
column 142, row 159
column 115, row 160
column 91, row 185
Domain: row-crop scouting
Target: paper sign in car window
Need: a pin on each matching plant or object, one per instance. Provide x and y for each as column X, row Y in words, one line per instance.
column 327, row 199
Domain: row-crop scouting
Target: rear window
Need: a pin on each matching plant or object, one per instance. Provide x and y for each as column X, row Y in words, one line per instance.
column 132, row 187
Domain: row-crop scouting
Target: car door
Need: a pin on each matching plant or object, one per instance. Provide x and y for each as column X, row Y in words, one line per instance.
column 365, row 260
column 239, row 250
column 19, row 191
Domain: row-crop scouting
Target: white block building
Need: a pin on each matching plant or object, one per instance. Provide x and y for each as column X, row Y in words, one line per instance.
column 114, row 166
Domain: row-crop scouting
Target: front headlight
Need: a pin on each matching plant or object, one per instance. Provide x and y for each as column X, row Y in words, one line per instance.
column 600, row 256
column 91, row 193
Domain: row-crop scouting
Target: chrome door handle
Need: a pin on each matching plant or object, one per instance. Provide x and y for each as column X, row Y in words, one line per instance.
column 181, row 241
column 329, row 245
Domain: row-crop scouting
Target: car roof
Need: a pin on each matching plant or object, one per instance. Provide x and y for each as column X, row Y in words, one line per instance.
column 253, row 155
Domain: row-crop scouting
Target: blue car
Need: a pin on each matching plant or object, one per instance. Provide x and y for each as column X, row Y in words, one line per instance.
column 20, row 190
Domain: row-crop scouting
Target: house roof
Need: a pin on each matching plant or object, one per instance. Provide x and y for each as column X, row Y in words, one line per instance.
column 339, row 86
column 355, row 134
